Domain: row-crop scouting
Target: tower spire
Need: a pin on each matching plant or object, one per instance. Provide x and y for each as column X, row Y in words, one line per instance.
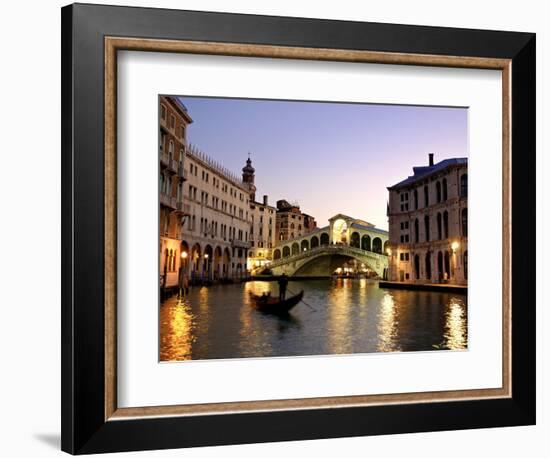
column 248, row 177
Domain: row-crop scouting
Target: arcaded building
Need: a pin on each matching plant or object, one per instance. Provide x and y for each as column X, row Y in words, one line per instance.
column 428, row 224
column 173, row 123
column 216, row 233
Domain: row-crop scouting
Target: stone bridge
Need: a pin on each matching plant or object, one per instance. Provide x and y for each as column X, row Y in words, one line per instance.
column 323, row 260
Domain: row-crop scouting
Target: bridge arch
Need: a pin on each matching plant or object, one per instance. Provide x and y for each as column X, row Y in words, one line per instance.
column 295, row 248
column 286, row 251
column 324, row 260
column 314, row 242
column 355, row 240
column 276, row 254
column 324, row 239
column 365, row 242
column 377, row 245
column 304, row 246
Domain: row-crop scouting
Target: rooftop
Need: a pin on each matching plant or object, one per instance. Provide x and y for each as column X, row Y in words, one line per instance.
column 230, row 176
column 423, row 172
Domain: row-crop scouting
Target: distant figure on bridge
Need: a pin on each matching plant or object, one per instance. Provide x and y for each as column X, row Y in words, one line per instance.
column 283, row 282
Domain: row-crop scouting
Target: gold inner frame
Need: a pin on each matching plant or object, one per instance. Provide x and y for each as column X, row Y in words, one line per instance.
column 114, row 44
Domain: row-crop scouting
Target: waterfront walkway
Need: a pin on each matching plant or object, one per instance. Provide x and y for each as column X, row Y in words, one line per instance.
column 439, row 287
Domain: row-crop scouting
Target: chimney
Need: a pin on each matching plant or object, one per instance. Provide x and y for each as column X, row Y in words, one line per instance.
column 265, row 200
column 431, row 156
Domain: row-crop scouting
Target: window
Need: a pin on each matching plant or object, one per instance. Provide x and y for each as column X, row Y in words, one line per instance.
column 428, row 266
column 438, row 191
column 444, row 189
column 464, row 221
column 172, row 121
column 464, row 185
column 439, row 226
column 162, row 140
column 416, row 235
column 426, row 196
column 415, row 194
column 446, row 224
column 427, row 228
column 163, row 112
column 405, row 202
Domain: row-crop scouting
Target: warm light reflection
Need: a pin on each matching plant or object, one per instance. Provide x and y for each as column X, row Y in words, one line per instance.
column 252, row 336
column 339, row 303
column 342, row 316
column 176, row 333
column 387, row 325
column 456, row 329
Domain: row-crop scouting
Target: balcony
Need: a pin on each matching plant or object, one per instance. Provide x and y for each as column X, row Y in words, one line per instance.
column 168, row 201
column 173, row 166
column 182, row 172
column 167, row 162
column 240, row 244
column 183, row 208
column 164, row 159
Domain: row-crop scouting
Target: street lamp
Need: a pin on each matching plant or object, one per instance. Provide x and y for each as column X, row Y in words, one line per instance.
column 207, row 266
column 183, row 270
column 455, row 246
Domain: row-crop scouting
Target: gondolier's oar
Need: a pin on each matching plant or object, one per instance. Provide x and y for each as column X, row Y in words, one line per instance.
column 291, row 292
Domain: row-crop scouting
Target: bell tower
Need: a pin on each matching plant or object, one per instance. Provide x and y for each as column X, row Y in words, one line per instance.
column 248, row 178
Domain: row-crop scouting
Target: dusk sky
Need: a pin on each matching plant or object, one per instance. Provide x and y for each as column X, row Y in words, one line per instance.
column 328, row 157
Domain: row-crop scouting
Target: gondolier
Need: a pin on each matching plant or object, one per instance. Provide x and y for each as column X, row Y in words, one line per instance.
column 267, row 304
column 283, row 282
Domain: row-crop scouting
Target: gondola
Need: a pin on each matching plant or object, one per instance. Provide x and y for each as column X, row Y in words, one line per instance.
column 273, row 305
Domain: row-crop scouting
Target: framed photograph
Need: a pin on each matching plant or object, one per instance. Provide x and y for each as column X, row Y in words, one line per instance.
column 281, row 228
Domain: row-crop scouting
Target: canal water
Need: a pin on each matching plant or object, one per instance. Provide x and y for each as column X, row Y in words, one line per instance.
column 349, row 316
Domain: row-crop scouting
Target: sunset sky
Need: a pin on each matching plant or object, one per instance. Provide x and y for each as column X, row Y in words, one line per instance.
column 328, row 157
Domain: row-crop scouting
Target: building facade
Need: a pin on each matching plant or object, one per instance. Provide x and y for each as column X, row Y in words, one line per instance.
column 428, row 224
column 216, row 233
column 262, row 223
column 211, row 225
column 291, row 222
column 174, row 120
column 262, row 233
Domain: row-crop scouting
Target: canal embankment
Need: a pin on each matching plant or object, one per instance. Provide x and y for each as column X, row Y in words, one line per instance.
column 438, row 287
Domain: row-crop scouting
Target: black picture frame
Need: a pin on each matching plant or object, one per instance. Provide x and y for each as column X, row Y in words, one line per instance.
column 84, row 428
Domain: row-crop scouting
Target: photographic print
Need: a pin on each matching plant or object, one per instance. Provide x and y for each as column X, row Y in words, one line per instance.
column 301, row 228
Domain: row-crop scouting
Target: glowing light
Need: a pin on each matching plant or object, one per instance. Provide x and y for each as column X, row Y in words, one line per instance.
column 206, row 256
column 388, row 251
column 184, row 254
column 455, row 246
column 387, row 325
column 456, row 329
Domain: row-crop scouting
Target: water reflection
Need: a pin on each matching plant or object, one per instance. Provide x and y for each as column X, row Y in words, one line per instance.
column 349, row 316
column 387, row 326
column 456, row 331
